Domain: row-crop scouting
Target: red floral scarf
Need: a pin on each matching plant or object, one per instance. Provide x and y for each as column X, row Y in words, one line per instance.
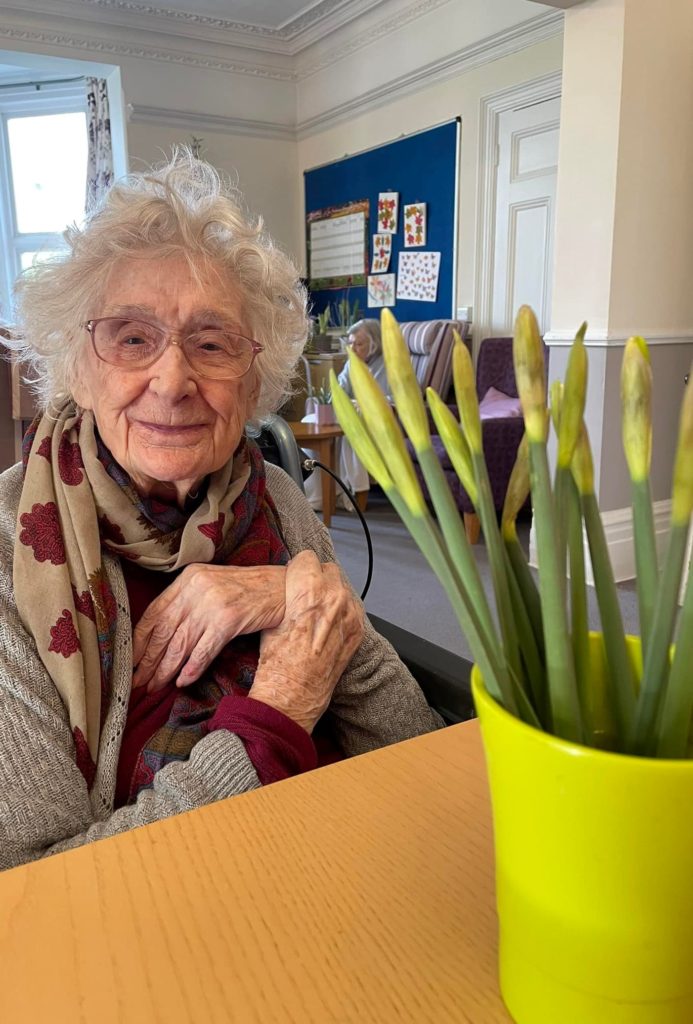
column 76, row 501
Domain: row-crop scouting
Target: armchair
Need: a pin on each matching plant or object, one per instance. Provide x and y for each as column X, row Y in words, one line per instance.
column 501, row 433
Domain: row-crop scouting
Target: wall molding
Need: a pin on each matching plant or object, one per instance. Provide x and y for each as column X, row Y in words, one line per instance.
column 546, row 87
column 618, row 528
column 612, row 339
column 117, row 48
column 502, row 44
column 189, row 119
column 122, row 40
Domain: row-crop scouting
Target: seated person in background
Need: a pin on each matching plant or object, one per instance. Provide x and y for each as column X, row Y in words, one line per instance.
column 174, row 629
column 364, row 338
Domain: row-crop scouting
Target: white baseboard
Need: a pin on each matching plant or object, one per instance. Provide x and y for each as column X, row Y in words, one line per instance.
column 618, row 527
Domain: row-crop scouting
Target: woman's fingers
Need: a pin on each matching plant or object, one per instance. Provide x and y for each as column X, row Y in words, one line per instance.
column 155, row 618
column 302, row 659
column 185, row 628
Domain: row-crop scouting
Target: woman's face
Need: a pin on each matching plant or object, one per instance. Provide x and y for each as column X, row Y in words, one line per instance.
column 360, row 343
column 165, row 425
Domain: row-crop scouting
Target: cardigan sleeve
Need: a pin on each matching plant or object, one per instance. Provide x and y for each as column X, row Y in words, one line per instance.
column 45, row 806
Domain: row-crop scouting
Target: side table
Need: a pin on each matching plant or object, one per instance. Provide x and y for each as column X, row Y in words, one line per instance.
column 320, row 439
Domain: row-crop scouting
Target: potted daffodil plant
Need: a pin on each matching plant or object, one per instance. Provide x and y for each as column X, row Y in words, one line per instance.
column 587, row 736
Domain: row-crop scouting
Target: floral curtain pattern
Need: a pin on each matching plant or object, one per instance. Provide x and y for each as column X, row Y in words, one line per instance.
column 100, row 157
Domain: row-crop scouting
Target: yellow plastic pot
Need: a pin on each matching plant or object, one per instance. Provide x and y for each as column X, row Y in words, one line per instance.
column 594, row 875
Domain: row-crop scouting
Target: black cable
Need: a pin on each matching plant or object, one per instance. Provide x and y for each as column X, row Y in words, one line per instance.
column 311, row 464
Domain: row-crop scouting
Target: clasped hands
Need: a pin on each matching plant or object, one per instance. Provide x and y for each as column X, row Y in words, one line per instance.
column 309, row 620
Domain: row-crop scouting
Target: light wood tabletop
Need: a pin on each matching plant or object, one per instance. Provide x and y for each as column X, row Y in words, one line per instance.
column 359, row 892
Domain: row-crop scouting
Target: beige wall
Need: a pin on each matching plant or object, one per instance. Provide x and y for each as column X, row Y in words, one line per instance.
column 265, row 170
column 459, row 96
column 624, row 229
column 653, row 227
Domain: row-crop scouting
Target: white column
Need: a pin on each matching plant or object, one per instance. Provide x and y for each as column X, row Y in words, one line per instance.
column 624, row 224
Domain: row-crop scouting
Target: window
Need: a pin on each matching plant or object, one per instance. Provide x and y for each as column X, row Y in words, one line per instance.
column 43, row 171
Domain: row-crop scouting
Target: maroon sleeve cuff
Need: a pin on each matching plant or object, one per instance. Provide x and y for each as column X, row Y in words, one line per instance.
column 277, row 746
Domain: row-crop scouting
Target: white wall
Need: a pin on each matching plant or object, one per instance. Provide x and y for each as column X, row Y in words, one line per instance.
column 265, row 170
column 459, row 96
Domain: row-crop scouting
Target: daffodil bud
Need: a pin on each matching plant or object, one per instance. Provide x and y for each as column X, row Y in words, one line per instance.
column 582, row 466
column 465, row 393
column 573, row 404
column 556, row 396
column 404, row 386
column 455, row 443
column 528, row 356
column 682, row 490
column 355, row 430
column 518, row 489
column 387, row 435
column 636, row 409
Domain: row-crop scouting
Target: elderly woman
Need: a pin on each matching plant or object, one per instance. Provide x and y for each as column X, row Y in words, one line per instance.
column 365, row 340
column 174, row 628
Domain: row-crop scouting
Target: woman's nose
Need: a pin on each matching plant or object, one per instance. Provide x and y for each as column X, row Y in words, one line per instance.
column 172, row 376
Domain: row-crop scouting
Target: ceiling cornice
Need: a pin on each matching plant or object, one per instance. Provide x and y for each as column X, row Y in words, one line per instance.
column 358, row 40
column 288, row 40
column 118, row 48
column 501, row 44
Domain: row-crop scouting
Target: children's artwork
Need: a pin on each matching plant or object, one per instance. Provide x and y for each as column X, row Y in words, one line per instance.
column 388, row 203
column 414, row 224
column 382, row 248
column 417, row 276
column 381, row 290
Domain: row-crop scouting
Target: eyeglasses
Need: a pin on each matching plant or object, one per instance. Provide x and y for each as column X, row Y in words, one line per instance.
column 137, row 344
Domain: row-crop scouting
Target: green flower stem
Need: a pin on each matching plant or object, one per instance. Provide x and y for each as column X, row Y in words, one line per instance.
column 656, row 667
column 494, row 546
column 646, row 566
column 677, row 710
column 563, row 696
column 578, row 603
column 620, row 680
column 456, row 540
column 428, row 539
column 526, row 583
column 534, row 665
column 561, row 503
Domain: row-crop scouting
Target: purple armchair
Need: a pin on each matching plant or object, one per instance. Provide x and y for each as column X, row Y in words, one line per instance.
column 501, row 434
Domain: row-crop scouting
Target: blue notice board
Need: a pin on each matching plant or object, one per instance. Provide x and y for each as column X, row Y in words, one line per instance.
column 422, row 168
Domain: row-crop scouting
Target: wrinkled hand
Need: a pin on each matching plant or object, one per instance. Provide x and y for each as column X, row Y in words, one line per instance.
column 302, row 658
column 184, row 629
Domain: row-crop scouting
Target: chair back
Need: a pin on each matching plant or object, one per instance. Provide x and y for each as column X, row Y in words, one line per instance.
column 430, row 344
column 495, row 367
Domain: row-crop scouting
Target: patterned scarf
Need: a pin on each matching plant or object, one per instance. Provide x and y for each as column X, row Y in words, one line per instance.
column 75, row 501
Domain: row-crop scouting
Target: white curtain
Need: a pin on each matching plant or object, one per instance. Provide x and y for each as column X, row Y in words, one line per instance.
column 100, row 159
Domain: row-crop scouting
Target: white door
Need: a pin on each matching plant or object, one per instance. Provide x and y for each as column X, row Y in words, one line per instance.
column 524, row 213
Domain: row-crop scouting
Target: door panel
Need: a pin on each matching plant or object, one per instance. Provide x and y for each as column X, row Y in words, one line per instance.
column 524, row 213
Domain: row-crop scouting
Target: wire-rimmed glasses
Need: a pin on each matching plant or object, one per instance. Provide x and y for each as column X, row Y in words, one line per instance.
column 133, row 344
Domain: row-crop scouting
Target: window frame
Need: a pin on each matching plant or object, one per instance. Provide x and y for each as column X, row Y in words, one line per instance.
column 27, row 101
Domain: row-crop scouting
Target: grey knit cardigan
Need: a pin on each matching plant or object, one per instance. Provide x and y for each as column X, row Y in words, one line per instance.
column 45, row 807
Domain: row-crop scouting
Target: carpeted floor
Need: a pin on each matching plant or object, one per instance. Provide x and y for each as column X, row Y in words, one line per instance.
column 404, row 590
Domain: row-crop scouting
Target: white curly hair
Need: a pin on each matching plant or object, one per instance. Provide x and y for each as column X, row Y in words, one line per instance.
column 179, row 208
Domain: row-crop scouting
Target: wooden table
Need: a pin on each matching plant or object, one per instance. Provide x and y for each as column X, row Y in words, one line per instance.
column 321, row 439
column 362, row 892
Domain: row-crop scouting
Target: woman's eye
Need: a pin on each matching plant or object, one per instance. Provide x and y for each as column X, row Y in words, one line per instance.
column 133, row 341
